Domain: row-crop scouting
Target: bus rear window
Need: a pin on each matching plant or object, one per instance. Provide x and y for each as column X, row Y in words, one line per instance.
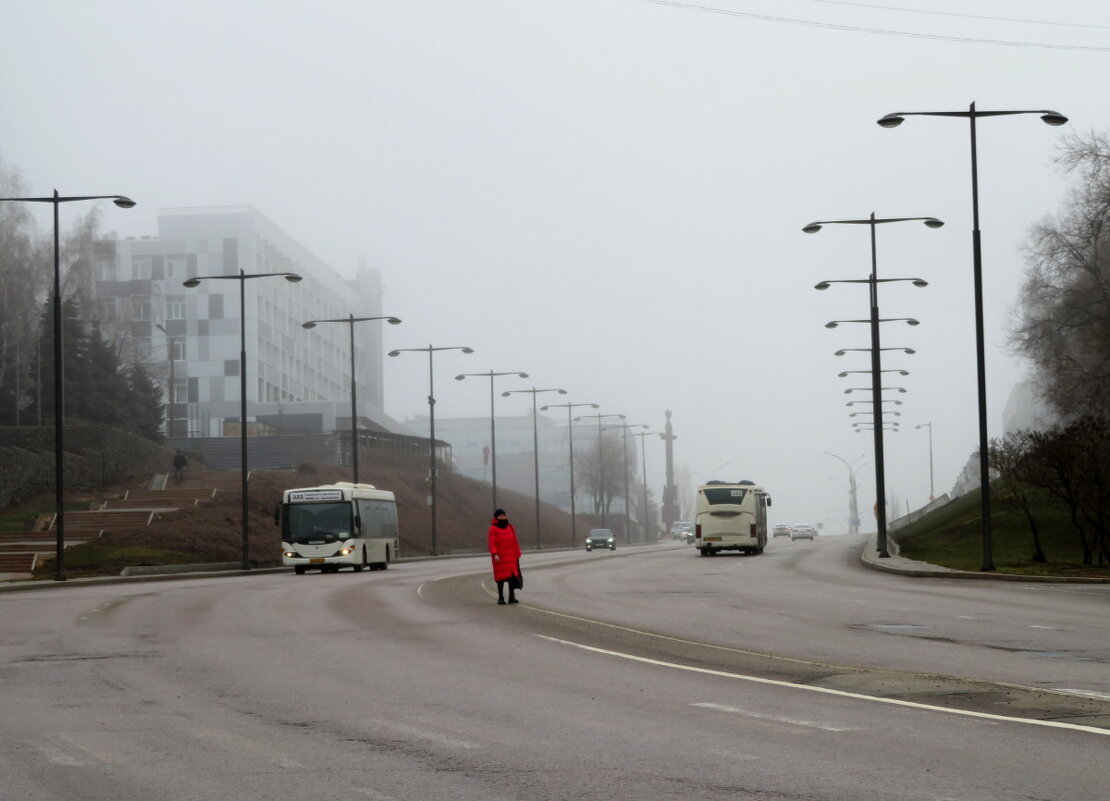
column 730, row 495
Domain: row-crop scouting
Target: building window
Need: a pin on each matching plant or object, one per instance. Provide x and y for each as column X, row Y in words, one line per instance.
column 231, row 367
column 175, row 307
column 140, row 267
column 140, row 308
column 178, row 354
column 175, row 266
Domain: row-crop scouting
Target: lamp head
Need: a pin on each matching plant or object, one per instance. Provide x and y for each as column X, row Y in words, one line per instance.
column 191, row 282
column 395, row 353
column 309, row 324
column 841, row 375
column 522, row 375
column 840, row 353
column 161, row 328
column 468, row 350
column 831, row 325
column 891, row 121
column 460, row 377
column 561, row 391
column 822, row 285
column 125, row 202
column 812, row 228
column 292, row 278
column 1053, row 118
column 933, row 222
column 912, row 321
column 393, row 320
column 903, row 372
column 920, row 282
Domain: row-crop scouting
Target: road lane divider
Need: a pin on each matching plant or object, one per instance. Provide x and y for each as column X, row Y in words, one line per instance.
column 1054, row 724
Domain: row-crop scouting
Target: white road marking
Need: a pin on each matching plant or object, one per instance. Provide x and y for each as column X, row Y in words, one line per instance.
column 776, row 718
column 1085, row 693
column 58, row 756
column 1050, row 628
column 828, row 691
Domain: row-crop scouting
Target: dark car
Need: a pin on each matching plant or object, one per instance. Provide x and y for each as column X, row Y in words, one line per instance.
column 601, row 538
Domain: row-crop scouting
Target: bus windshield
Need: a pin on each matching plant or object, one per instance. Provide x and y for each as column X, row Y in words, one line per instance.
column 318, row 523
column 728, row 495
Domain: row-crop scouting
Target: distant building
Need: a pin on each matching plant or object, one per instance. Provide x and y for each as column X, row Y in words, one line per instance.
column 298, row 380
column 1026, row 409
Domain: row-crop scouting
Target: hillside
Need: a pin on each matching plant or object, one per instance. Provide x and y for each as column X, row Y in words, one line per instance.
column 212, row 533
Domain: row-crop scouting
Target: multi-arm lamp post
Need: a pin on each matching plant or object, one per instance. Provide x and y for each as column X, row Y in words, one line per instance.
column 535, row 445
column 873, row 282
column 570, row 434
column 350, row 320
column 600, row 460
column 432, row 471
column 242, row 278
column 492, row 423
column 56, row 200
column 932, row 497
column 972, row 114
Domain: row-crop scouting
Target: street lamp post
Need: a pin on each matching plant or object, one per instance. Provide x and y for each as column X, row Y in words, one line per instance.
column 643, row 475
column 492, row 423
column 123, row 202
column 873, row 282
column 432, row 472
column 172, row 392
column 627, row 520
column 350, row 320
column 1050, row 118
column 242, row 278
column 535, row 445
column 601, row 461
column 570, row 434
column 929, row 426
column 853, row 498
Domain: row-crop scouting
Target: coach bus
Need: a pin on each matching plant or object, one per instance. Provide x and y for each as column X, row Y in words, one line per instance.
column 731, row 517
column 338, row 525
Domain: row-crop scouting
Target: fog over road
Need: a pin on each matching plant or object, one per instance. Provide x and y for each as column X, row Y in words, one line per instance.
column 644, row 673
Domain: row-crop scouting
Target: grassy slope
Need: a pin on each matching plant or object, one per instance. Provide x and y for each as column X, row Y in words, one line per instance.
column 952, row 536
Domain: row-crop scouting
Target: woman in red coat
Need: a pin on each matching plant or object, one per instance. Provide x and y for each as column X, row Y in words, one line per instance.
column 504, row 550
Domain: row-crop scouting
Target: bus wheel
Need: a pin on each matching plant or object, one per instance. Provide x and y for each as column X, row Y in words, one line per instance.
column 703, row 551
column 385, row 564
column 359, row 568
column 299, row 570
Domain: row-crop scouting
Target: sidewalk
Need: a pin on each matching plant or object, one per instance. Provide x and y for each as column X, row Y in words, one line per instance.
column 896, row 563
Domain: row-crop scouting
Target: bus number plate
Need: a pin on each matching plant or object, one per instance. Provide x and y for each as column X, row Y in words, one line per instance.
column 316, row 561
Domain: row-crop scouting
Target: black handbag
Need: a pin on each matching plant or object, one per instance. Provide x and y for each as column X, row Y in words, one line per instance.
column 517, row 581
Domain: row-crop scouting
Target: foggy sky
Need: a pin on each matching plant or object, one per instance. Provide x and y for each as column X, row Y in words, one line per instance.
column 607, row 194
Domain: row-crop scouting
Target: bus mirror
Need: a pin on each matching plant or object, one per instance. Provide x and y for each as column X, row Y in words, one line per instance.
column 768, row 500
column 358, row 523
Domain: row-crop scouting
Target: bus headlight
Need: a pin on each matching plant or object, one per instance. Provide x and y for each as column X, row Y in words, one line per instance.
column 345, row 551
column 289, row 554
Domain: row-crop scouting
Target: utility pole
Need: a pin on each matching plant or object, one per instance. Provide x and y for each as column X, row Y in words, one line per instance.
column 670, row 491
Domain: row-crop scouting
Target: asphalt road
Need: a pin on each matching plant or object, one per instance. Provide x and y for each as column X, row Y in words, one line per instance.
column 638, row 674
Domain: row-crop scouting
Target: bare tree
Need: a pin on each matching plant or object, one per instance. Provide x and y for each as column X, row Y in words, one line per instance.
column 1011, row 457
column 1063, row 323
column 607, row 454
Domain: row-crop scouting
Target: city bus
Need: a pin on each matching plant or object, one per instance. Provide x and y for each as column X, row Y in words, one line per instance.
column 731, row 517
column 338, row 525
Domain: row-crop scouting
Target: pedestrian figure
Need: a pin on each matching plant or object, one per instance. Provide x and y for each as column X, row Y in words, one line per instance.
column 505, row 553
column 179, row 463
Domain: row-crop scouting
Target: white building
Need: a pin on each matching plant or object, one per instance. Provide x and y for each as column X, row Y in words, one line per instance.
column 298, row 380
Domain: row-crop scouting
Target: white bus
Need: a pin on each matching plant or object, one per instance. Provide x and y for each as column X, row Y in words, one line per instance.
column 731, row 517
column 340, row 524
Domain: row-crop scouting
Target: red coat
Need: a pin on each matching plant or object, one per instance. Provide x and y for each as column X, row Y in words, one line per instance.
column 503, row 544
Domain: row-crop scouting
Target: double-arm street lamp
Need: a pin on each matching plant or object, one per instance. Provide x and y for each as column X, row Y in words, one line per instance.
column 873, row 282
column 242, row 278
column 929, row 426
column 350, row 320
column 492, row 423
column 972, row 114
column 853, row 498
column 643, row 476
column 627, row 520
column 601, row 460
column 431, row 350
column 56, row 200
column 535, row 445
column 570, row 434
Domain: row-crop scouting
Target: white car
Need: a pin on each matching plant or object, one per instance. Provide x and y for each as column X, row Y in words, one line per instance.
column 803, row 533
column 781, row 530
